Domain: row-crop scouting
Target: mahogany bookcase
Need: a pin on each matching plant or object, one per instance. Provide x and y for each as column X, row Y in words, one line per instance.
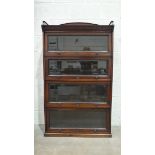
column 78, row 68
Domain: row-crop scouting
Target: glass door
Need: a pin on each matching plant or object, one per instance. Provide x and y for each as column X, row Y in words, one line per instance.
column 75, row 44
column 77, row 93
column 77, row 67
column 77, row 119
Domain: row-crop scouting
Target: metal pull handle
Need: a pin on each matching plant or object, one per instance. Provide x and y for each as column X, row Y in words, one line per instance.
column 95, row 130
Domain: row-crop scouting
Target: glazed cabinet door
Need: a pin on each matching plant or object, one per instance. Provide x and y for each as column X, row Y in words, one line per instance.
column 77, row 94
column 72, row 44
column 78, row 120
column 77, row 69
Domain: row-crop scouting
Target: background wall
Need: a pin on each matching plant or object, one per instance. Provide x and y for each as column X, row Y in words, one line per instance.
column 64, row 11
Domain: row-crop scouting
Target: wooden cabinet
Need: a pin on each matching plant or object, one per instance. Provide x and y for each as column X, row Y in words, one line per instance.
column 78, row 65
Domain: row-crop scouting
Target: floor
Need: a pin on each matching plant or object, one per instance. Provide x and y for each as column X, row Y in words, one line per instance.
column 76, row 146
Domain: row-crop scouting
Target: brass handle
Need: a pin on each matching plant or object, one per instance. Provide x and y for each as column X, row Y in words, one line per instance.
column 95, row 130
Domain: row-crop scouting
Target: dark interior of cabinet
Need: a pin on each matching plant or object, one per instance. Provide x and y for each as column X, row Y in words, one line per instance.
column 77, row 93
column 77, row 67
column 85, row 118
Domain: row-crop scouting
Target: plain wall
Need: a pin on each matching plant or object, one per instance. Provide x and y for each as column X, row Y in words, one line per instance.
column 64, row 11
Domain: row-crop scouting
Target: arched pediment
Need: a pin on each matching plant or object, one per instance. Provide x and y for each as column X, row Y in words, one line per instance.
column 77, row 26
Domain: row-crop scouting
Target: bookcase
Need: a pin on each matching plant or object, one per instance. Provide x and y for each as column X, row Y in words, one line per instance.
column 78, row 68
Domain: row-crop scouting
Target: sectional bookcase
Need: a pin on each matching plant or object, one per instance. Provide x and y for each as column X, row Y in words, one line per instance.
column 78, row 67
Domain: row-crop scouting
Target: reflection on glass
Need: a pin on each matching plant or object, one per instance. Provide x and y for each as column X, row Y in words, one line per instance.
column 77, row 93
column 77, row 43
column 89, row 118
column 78, row 67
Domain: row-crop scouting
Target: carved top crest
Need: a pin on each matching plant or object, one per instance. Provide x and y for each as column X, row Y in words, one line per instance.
column 77, row 26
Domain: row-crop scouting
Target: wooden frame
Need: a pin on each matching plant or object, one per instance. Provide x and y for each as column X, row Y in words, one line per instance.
column 78, row 29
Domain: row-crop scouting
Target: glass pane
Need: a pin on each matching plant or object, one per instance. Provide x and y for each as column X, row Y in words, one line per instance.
column 77, row 93
column 88, row 118
column 77, row 43
column 78, row 67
